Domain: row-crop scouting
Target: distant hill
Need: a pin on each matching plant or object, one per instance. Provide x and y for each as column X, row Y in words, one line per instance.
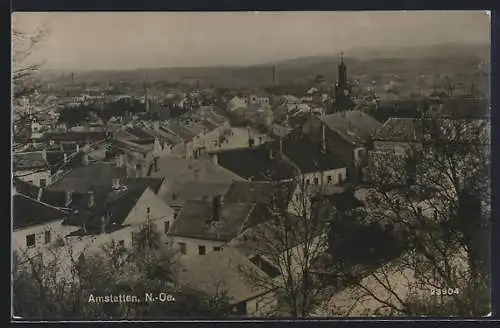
column 458, row 58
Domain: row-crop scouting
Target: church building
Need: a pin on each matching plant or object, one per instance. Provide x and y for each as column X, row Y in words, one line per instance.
column 342, row 100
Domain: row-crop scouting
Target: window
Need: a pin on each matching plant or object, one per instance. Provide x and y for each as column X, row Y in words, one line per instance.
column 121, row 243
column 308, row 181
column 360, row 153
column 339, row 177
column 216, row 249
column 30, row 181
column 30, row 240
column 43, row 183
column 47, row 236
column 316, row 181
column 329, row 179
column 240, row 308
column 183, row 248
column 166, row 227
column 202, row 250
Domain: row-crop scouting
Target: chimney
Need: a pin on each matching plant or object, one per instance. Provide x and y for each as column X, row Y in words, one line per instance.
column 85, row 159
column 116, row 183
column 216, row 207
column 91, row 200
column 77, row 148
column 103, row 224
column 155, row 164
column 214, row 159
column 69, row 195
column 120, row 160
column 44, row 154
column 65, row 158
column 156, row 125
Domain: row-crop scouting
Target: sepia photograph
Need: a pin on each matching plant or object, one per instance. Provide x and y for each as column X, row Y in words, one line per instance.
column 250, row 165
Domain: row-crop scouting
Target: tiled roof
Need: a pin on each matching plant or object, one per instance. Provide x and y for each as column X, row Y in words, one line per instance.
column 27, row 161
column 179, row 192
column 28, row 212
column 25, row 188
column 222, row 271
column 139, row 133
column 260, row 192
column 308, row 155
column 182, row 132
column 115, row 206
column 260, row 163
column 181, row 169
column 208, row 125
column 130, row 145
column 263, row 239
column 195, row 128
column 153, row 183
column 400, row 129
column 75, row 136
column 194, row 220
column 84, row 177
column 354, row 126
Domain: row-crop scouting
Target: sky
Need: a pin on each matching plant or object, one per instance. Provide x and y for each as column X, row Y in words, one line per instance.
column 128, row 40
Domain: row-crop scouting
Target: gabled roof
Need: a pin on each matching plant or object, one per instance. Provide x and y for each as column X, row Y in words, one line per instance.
column 139, row 133
column 400, row 129
column 114, row 206
column 263, row 239
column 208, row 125
column 194, row 220
column 181, row 169
column 225, row 270
column 84, row 177
column 258, row 192
column 152, row 183
column 130, row 145
column 353, row 126
column 74, row 135
column 29, row 161
column 308, row 155
column 261, row 163
column 29, row 212
column 181, row 131
column 179, row 192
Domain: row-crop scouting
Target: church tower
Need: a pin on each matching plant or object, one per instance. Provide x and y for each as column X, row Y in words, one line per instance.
column 342, row 92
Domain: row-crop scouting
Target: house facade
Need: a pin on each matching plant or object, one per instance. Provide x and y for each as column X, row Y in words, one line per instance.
column 36, row 225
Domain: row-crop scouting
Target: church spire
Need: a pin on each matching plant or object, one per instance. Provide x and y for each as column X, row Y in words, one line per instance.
column 342, row 57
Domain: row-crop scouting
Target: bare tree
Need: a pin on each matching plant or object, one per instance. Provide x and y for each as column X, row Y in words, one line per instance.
column 58, row 284
column 288, row 244
column 24, row 80
column 434, row 198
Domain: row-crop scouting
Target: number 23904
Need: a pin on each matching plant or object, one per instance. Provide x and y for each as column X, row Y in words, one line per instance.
column 445, row 291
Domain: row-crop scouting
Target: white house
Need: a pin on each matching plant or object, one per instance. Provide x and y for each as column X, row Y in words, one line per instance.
column 36, row 225
column 123, row 214
column 205, row 226
column 236, row 102
column 226, row 271
column 33, row 168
